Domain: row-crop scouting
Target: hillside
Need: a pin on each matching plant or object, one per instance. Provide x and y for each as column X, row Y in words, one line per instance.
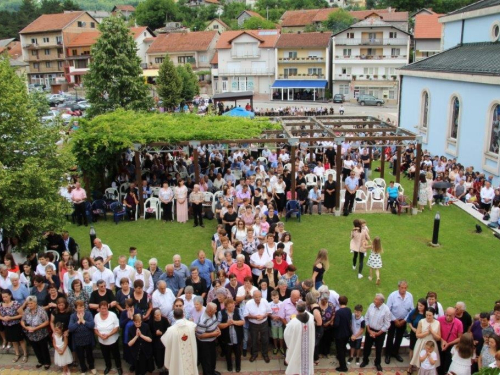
column 13, row 5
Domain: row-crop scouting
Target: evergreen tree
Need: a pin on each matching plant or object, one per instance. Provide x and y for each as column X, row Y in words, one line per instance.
column 154, row 13
column 169, row 84
column 114, row 79
column 190, row 87
column 339, row 20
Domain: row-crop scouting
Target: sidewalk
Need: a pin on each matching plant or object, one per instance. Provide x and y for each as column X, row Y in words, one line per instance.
column 259, row 367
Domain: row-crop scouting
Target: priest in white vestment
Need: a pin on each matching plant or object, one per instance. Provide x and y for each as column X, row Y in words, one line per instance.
column 300, row 338
column 180, row 346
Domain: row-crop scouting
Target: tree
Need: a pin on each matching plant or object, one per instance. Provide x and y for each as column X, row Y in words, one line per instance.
column 190, row 87
column 169, row 84
column 39, row 103
column 339, row 20
column 155, row 13
column 255, row 23
column 31, row 167
column 115, row 78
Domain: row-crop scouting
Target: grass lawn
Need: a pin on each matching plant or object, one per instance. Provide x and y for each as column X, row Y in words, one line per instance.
column 463, row 268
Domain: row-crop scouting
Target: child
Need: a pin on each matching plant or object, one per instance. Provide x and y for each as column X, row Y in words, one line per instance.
column 62, row 355
column 358, row 238
column 428, row 358
column 43, row 261
column 364, row 228
column 264, row 227
column 88, row 285
column 375, row 259
column 358, row 327
column 276, row 323
column 132, row 257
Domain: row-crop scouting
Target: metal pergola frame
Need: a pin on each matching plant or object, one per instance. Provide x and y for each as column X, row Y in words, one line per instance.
column 311, row 129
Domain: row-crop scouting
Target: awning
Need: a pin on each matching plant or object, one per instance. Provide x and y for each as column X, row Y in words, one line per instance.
column 150, row 72
column 299, row 84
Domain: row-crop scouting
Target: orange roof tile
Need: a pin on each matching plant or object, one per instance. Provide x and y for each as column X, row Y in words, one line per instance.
column 178, row 42
column 215, row 59
column 136, row 31
column 395, row 17
column 15, row 49
column 267, row 40
column 253, row 14
column 311, row 40
column 85, row 39
column 323, row 14
column 51, row 22
column 125, row 8
column 294, row 18
column 427, row 26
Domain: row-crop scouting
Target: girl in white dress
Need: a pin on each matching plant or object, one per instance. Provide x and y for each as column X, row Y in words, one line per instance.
column 62, row 355
column 428, row 359
column 375, row 259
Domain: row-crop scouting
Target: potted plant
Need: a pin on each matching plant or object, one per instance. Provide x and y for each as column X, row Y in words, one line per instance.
column 394, row 77
column 375, row 76
column 368, row 76
column 361, row 75
column 384, row 76
column 353, row 77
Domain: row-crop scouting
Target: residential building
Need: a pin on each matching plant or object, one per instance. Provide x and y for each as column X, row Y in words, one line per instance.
column 427, row 35
column 217, row 25
column 452, row 99
column 99, row 15
column 44, row 41
column 297, row 20
column 365, row 58
column 338, row 3
column 172, row 27
column 195, row 3
column 245, row 61
column 123, row 10
column 78, row 51
column 195, row 48
column 302, row 66
column 421, row 11
column 246, row 14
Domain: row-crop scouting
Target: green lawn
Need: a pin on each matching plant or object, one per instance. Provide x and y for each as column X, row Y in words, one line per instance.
column 462, row 269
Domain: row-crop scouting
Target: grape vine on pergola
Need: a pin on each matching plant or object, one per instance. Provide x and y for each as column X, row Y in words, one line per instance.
column 100, row 142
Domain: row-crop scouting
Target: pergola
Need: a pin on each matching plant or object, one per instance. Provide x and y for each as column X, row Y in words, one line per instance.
column 311, row 130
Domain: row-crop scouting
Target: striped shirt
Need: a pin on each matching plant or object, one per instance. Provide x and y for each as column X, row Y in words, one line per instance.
column 378, row 318
column 207, row 324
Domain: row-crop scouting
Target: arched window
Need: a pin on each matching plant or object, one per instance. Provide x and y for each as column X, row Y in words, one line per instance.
column 425, row 110
column 495, row 130
column 455, row 114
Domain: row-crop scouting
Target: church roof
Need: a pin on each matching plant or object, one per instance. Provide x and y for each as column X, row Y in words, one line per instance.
column 475, row 6
column 469, row 58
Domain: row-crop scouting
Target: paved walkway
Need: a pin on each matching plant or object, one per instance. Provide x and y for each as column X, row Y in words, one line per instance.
column 259, row 367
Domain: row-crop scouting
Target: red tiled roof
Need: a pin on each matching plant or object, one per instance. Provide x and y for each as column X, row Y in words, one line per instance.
column 136, row 31
column 178, row 42
column 323, row 14
column 427, row 26
column 149, row 39
column 306, row 40
column 395, row 17
column 362, row 14
column 215, row 59
column 295, row 18
column 267, row 41
column 125, row 8
column 253, row 14
column 15, row 49
column 85, row 39
column 51, row 22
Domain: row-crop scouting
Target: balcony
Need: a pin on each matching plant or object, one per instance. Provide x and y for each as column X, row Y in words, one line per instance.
column 36, row 46
column 249, row 55
column 301, row 60
column 371, row 42
column 301, row 76
column 358, row 58
column 246, row 72
column 364, row 77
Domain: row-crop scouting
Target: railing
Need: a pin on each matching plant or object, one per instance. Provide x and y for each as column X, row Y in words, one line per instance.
column 244, row 56
column 370, row 57
column 301, row 60
column 370, row 41
column 301, row 76
column 254, row 72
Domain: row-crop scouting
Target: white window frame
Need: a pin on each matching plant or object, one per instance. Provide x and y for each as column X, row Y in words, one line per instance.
column 46, row 39
column 393, row 50
column 393, row 34
column 495, row 25
column 488, row 156
column 452, row 144
column 424, row 130
column 348, row 50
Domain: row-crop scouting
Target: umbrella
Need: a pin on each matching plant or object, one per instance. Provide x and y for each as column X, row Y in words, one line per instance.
column 441, row 185
column 239, row 112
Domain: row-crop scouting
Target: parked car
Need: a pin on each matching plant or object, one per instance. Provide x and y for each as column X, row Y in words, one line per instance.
column 370, row 100
column 56, row 99
column 84, row 105
column 338, row 98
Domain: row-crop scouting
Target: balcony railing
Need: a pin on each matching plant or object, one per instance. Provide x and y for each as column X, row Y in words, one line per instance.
column 301, row 76
column 249, row 55
column 370, row 57
column 307, row 60
column 246, row 72
column 370, row 41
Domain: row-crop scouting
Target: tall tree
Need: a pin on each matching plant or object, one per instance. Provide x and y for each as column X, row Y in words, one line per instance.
column 114, row 79
column 28, row 12
column 169, row 84
column 31, row 166
column 190, row 87
column 155, row 13
column 339, row 20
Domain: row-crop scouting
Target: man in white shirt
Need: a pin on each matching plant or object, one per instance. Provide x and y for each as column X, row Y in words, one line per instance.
column 487, row 195
column 43, row 261
column 257, row 310
column 144, row 275
column 123, row 270
column 163, row 298
column 229, row 177
column 101, row 250
column 319, row 170
column 258, row 261
column 103, row 273
column 5, row 275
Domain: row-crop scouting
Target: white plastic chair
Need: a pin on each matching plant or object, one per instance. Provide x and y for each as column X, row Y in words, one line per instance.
column 370, row 185
column 237, row 174
column 311, row 180
column 160, row 209
column 183, row 175
column 55, row 253
column 151, row 206
column 333, row 172
column 262, row 159
column 112, row 193
column 377, row 195
column 342, row 198
column 155, row 191
column 361, row 198
column 321, row 182
column 380, row 182
column 123, row 190
column 208, row 199
column 401, row 189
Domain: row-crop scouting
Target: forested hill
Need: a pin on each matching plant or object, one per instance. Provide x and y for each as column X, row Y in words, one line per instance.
column 14, row 5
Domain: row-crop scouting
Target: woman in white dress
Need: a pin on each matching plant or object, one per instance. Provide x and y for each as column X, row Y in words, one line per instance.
column 462, row 353
column 181, row 193
column 428, row 330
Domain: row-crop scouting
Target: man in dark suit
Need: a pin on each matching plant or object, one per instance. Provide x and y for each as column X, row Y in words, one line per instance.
column 67, row 243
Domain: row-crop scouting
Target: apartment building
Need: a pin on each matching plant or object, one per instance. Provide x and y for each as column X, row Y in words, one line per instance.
column 44, row 41
column 365, row 58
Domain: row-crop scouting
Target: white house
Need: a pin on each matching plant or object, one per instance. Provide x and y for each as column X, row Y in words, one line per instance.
column 452, row 99
column 245, row 61
column 365, row 58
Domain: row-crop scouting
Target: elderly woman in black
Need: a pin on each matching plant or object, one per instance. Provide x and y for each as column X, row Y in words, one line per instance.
column 141, row 348
column 35, row 322
column 158, row 326
column 81, row 327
